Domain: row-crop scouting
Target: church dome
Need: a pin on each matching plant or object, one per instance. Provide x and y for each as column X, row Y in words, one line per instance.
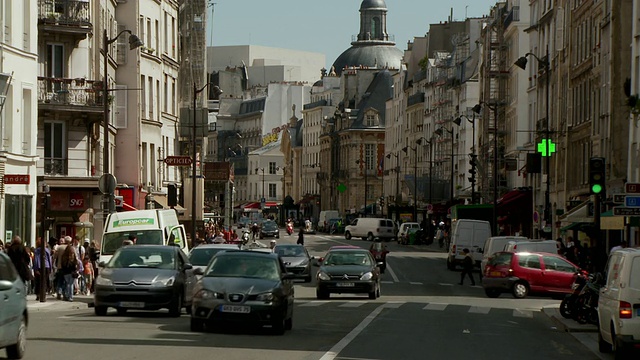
column 370, row 56
column 373, row 4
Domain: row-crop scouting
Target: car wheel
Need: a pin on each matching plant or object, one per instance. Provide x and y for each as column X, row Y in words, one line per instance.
column 520, row 290
column 492, row 293
column 100, row 310
column 347, row 235
column 322, row 294
column 370, row 237
column 565, row 309
column 121, row 311
column 278, row 326
column 373, row 294
column 288, row 324
column 197, row 325
column 17, row 350
column 619, row 352
column 176, row 306
column 187, row 309
column 603, row 346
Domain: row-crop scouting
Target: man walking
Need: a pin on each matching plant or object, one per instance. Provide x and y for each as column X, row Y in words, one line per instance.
column 467, row 267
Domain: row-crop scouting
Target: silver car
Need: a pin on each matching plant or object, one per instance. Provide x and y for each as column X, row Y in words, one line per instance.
column 201, row 255
column 13, row 310
column 296, row 259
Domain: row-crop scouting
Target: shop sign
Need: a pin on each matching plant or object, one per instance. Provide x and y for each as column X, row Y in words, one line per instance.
column 76, row 200
column 17, row 179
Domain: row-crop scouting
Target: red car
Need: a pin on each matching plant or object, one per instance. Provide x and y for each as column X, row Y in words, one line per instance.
column 524, row 272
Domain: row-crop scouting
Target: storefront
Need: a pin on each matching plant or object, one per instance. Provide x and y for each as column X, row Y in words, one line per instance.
column 17, row 201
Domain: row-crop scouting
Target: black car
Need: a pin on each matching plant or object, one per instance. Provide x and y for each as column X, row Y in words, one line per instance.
column 348, row 270
column 269, row 229
column 145, row 277
column 296, row 259
column 244, row 286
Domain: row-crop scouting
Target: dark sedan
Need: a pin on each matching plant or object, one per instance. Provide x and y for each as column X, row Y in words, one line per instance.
column 269, row 229
column 244, row 287
column 296, row 259
column 348, row 270
column 145, row 277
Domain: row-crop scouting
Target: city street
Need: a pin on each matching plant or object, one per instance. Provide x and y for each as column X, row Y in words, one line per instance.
column 422, row 313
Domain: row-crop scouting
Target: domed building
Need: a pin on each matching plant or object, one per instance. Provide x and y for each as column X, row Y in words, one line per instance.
column 373, row 47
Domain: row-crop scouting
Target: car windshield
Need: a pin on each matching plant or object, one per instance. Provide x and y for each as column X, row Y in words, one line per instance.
column 270, row 225
column 200, row 256
column 290, row 251
column 243, row 266
column 113, row 241
column 143, row 257
column 347, row 258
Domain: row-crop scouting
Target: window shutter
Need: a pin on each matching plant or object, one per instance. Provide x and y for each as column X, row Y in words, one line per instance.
column 123, row 42
column 120, row 119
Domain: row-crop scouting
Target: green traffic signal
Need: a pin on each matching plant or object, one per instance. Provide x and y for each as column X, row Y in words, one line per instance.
column 596, row 189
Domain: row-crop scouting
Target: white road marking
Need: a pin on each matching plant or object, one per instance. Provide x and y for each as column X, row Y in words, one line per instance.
column 443, row 284
column 435, row 307
column 393, row 304
column 337, row 348
column 415, row 283
column 393, row 274
column 314, row 303
column 479, row 310
column 522, row 313
column 352, row 304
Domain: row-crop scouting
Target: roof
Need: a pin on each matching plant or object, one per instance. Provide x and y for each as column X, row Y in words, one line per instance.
column 379, row 91
column 373, row 4
column 248, row 252
column 369, row 56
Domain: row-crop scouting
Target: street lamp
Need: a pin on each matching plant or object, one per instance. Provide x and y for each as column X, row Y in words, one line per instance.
column 415, row 179
column 134, row 42
column 474, row 158
column 430, row 143
column 225, row 149
column 544, row 65
column 261, row 169
column 365, row 186
column 397, row 170
column 439, row 132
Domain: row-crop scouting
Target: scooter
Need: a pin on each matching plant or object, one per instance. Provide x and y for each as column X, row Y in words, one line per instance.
column 245, row 237
column 379, row 253
column 586, row 309
column 289, row 228
column 568, row 304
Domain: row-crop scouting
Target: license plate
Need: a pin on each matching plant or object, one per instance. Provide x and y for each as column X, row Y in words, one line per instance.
column 495, row 273
column 132, row 304
column 345, row 284
column 238, row 309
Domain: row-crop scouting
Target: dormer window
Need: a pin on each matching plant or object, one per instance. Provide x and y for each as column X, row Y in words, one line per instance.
column 371, row 119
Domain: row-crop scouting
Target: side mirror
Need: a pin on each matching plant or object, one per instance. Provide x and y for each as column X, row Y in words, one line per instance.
column 379, row 264
column 198, row 271
column 5, row 285
column 187, row 267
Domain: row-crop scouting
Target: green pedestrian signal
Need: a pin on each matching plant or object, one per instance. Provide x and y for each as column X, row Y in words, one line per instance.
column 546, row 147
column 596, row 189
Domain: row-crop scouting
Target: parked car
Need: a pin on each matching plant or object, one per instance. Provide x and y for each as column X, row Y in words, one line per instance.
column 14, row 317
column 296, row 259
column 495, row 244
column 245, row 287
column 145, row 277
column 370, row 228
column 404, row 228
column 467, row 234
column 324, row 217
column 550, row 246
column 269, row 229
column 523, row 272
column 619, row 305
column 200, row 256
column 348, row 270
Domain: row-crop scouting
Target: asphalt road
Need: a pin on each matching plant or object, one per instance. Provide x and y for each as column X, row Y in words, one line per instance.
column 422, row 314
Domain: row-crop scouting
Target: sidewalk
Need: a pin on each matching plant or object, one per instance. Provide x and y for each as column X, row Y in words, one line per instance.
column 79, row 302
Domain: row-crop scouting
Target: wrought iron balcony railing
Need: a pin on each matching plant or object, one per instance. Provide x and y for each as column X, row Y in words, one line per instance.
column 55, row 166
column 69, row 92
column 64, row 13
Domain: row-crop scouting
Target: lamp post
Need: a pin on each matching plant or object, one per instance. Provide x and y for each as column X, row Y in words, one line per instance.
column 261, row 169
column 397, row 170
column 439, row 132
column 544, row 65
column 476, row 110
column 415, row 179
column 134, row 42
column 430, row 143
column 365, row 186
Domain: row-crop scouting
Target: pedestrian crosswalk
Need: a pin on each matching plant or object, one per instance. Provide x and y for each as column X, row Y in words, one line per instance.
column 436, row 307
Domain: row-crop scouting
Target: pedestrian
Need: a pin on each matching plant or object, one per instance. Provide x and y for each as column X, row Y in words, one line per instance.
column 300, row 237
column 94, row 256
column 69, row 272
column 87, row 275
column 58, row 280
column 20, row 259
column 467, row 267
column 1, row 246
column 623, row 244
column 37, row 268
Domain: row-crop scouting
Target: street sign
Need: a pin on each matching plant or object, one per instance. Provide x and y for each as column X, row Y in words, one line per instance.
column 107, row 183
column 632, row 188
column 178, row 160
column 618, row 198
column 632, row 201
column 17, row 179
column 626, row 211
column 119, row 201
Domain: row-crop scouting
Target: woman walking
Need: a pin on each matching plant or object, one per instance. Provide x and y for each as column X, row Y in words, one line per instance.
column 69, row 271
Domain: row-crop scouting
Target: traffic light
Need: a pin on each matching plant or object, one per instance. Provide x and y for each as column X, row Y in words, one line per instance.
column 381, row 201
column 473, row 162
column 172, row 195
column 596, row 175
column 46, row 201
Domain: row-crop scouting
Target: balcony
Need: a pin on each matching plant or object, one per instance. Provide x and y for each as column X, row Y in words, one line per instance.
column 513, row 15
column 316, row 104
column 415, row 99
column 55, row 166
column 70, row 17
column 59, row 94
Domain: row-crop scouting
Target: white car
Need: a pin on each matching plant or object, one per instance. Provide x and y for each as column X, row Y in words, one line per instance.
column 404, row 229
column 619, row 305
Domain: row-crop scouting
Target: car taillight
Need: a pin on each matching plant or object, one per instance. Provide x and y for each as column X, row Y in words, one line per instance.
column 453, row 249
column 515, row 247
column 626, row 311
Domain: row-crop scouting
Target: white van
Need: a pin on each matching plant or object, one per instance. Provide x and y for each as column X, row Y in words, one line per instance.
column 548, row 246
column 370, row 228
column 324, row 217
column 495, row 244
column 158, row 227
column 619, row 304
column 467, row 234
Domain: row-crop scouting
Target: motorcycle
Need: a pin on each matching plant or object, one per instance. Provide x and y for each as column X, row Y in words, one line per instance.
column 245, row 237
column 568, row 304
column 289, row 228
column 586, row 310
column 379, row 253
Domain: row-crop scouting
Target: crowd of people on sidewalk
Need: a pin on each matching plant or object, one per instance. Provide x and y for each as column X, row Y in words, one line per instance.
column 69, row 267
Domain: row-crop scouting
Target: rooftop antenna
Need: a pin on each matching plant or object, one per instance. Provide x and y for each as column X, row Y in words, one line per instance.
column 466, row 8
column 212, row 5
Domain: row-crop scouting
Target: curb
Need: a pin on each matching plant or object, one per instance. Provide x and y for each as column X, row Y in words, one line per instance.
column 80, row 302
column 567, row 325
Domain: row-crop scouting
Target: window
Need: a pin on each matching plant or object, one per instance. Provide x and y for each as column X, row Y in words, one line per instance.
column 157, row 37
column 55, row 61
column 165, row 95
column 54, row 149
column 6, row 270
column 273, row 191
column 529, row 261
column 148, row 33
column 369, row 154
column 272, row 168
column 370, row 120
column 634, row 281
column 143, row 96
column 150, row 98
column 557, row 264
column 143, row 168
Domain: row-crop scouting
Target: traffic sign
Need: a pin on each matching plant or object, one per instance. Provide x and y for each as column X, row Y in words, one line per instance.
column 619, row 198
column 632, row 188
column 107, row 183
column 178, row 160
column 626, row 211
column 632, row 201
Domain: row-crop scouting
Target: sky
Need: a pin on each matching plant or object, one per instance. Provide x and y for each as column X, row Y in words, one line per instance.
column 325, row 26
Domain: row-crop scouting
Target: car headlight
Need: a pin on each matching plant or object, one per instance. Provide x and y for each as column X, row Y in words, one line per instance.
column 164, row 282
column 323, row 276
column 102, row 281
column 207, row 294
column 366, row 276
column 266, row 297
